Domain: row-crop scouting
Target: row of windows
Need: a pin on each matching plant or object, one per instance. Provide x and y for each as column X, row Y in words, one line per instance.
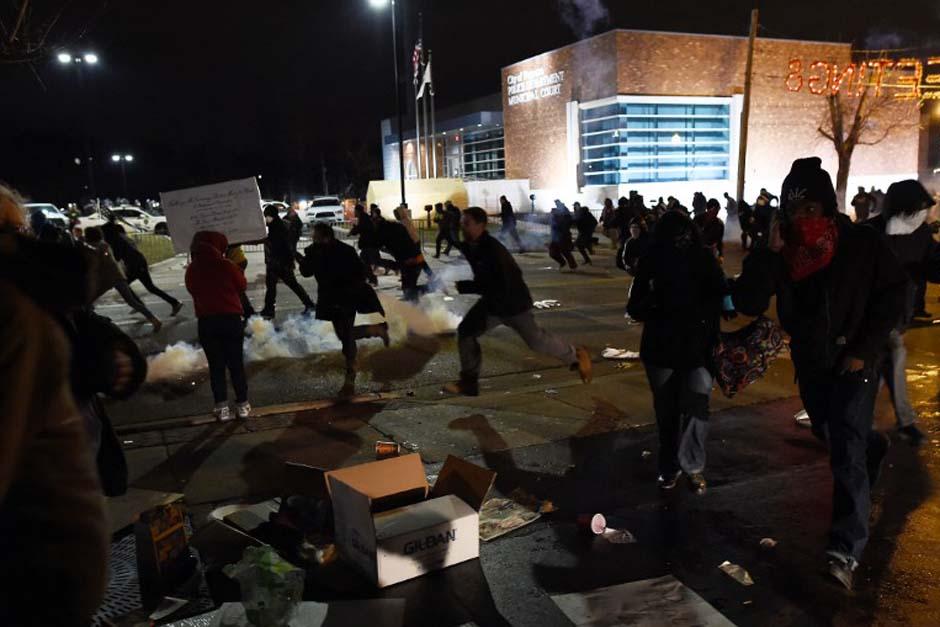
column 484, row 155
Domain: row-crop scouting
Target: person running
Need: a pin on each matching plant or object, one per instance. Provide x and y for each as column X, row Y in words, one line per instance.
column 586, row 224
column 295, row 226
column 342, row 292
column 504, row 299
column 636, row 247
column 135, row 264
column 216, row 285
column 609, row 223
column 111, row 275
column 712, row 228
column 677, row 295
column 444, row 231
column 904, row 224
column 279, row 265
column 368, row 243
column 840, row 292
column 561, row 244
column 394, row 237
column 508, row 219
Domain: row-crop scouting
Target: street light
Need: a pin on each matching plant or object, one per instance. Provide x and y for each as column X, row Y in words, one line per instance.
column 91, row 58
column 64, row 57
column 123, row 160
column 78, row 61
column 381, row 4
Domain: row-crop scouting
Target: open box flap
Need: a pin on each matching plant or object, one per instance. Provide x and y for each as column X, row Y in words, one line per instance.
column 386, row 478
column 467, row 481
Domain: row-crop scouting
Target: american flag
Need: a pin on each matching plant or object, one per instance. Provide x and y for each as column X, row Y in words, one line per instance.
column 416, row 61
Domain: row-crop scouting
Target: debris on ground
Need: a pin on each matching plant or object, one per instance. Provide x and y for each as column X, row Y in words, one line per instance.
column 536, row 376
column 646, row 454
column 737, row 573
column 500, row 516
column 598, row 526
column 802, row 418
column 768, row 543
column 625, row 365
column 551, row 391
column 546, row 304
column 619, row 354
column 384, row 450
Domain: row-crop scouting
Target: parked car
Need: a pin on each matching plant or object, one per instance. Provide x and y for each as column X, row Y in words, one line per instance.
column 52, row 213
column 133, row 219
column 325, row 209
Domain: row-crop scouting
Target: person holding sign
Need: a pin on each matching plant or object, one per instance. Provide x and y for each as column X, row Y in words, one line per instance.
column 279, row 264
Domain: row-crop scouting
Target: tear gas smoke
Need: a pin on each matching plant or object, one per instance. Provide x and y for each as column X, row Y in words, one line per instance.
column 584, row 17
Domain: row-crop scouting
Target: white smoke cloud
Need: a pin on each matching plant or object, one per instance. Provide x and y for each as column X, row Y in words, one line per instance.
column 584, row 17
column 300, row 336
column 884, row 40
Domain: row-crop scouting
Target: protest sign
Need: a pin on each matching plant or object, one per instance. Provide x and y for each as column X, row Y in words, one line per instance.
column 232, row 208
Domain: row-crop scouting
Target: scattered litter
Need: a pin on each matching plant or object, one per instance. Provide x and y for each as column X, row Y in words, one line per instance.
column 551, row 391
column 747, row 603
column 625, row 365
column 126, row 442
column 536, row 376
column 500, row 516
column 432, row 479
column 802, row 418
column 448, row 299
column 168, row 606
column 640, row 603
column 384, row 450
column 531, row 502
column 768, row 543
column 646, row 454
column 546, row 304
column 619, row 354
column 411, row 446
column 618, row 536
column 737, row 573
column 326, row 554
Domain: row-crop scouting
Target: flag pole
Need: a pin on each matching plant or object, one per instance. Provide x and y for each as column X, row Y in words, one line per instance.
column 433, row 125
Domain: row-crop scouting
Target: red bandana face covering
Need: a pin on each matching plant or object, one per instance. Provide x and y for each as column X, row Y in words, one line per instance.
column 810, row 246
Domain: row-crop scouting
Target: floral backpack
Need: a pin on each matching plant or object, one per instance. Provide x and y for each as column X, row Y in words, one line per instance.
column 743, row 356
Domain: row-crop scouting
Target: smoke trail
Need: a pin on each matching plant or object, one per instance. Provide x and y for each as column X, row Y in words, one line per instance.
column 584, row 17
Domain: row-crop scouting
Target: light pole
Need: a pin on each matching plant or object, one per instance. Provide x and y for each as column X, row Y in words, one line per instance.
column 123, row 160
column 79, row 62
column 380, row 4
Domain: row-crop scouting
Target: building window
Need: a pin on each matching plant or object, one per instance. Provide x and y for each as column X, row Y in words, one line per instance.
column 637, row 139
column 484, row 157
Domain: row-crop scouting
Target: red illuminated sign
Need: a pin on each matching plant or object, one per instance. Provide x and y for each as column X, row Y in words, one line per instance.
column 904, row 79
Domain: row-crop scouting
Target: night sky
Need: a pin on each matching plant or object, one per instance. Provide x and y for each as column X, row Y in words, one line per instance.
column 206, row 90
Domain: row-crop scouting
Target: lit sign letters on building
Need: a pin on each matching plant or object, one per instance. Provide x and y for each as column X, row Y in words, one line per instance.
column 905, row 79
column 530, row 85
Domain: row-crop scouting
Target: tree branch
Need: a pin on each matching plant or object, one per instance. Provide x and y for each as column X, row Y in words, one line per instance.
column 19, row 22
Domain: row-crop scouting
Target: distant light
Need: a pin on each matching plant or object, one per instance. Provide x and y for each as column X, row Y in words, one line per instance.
column 378, row 4
column 64, row 57
column 78, row 161
column 479, row 125
column 128, row 157
column 676, row 139
column 115, row 158
column 91, row 58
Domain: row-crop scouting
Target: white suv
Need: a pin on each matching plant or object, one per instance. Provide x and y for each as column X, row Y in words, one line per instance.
column 53, row 215
column 325, row 209
column 133, row 219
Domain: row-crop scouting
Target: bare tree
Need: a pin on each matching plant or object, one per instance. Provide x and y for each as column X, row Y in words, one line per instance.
column 31, row 30
column 863, row 120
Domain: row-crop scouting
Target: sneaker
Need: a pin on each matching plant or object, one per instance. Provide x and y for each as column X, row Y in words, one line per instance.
column 697, row 483
column 878, row 444
column 267, row 314
column 669, row 481
column 912, row 434
column 176, row 308
column 842, row 569
column 222, row 413
column 157, row 325
column 584, row 366
column 383, row 333
column 461, row 388
column 243, row 410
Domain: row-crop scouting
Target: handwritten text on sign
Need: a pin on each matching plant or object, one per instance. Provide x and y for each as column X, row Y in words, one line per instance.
column 232, row 208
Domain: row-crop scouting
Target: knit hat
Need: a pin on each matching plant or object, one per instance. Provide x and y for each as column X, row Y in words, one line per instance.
column 907, row 197
column 808, row 181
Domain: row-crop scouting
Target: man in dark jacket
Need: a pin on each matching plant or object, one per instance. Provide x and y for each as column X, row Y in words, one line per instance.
column 342, row 292
column 508, row 217
column 445, row 230
column 712, row 228
column 135, row 264
column 295, row 226
column 903, row 222
column 394, row 237
column 504, row 299
column 368, row 243
column 840, row 291
column 279, row 264
column 561, row 245
column 586, row 224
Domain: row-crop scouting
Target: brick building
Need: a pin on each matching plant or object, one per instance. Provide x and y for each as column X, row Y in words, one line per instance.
column 660, row 113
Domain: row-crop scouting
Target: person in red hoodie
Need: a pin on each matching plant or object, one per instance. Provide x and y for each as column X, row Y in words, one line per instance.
column 216, row 285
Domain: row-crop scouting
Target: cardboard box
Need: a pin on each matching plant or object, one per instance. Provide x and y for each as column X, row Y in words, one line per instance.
column 393, row 527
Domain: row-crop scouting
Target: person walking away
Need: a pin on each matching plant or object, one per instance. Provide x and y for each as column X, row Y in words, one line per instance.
column 561, row 244
column 586, row 224
column 109, row 274
column 609, row 223
column 403, row 215
column 394, row 237
column 504, row 299
column 295, row 226
column 454, row 212
column 135, row 264
column 677, row 295
column 746, row 224
column 216, row 284
column 342, row 292
column 862, row 202
column 712, row 228
column 279, row 265
column 636, row 247
column 368, row 243
column 731, row 208
column 508, row 223
column 444, row 231
column 821, row 267
column 903, row 222
column 236, row 255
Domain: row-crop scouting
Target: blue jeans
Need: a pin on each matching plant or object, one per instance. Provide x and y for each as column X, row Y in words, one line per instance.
column 680, row 399
column 841, row 408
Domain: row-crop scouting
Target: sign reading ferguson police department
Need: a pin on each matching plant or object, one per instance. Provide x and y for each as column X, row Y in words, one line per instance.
column 530, row 85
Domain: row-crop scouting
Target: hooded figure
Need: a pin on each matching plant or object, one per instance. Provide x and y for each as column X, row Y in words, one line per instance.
column 562, row 245
column 840, row 292
column 677, row 295
column 279, row 264
column 216, row 285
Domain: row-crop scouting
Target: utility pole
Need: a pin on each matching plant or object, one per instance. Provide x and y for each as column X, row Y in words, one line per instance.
column 326, row 187
column 746, row 110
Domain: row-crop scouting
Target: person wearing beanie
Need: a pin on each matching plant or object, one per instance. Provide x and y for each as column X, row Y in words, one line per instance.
column 903, row 222
column 279, row 264
column 840, row 292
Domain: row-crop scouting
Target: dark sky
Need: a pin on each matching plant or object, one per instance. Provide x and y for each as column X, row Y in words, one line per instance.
column 205, row 90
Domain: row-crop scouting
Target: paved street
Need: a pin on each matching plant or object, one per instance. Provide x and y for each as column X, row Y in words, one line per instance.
column 580, row 446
